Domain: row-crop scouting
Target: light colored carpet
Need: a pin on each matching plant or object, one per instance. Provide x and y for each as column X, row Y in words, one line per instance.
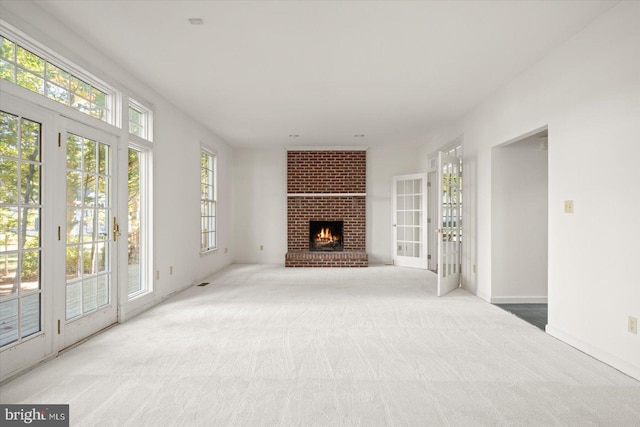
column 265, row 345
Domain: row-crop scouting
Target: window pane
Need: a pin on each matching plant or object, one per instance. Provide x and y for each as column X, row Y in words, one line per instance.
column 8, row 268
column 30, row 315
column 98, row 97
column 7, row 71
column 30, row 81
column 135, row 129
column 58, row 94
column 98, row 112
column 7, row 49
column 81, row 88
column 30, row 183
column 89, row 295
column 30, row 61
column 8, row 135
column 9, row 321
column 137, row 223
column 58, row 76
column 73, row 262
column 102, row 295
column 74, row 300
column 135, row 116
column 9, row 178
column 80, row 103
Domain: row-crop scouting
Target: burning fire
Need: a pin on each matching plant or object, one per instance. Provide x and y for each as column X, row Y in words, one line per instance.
column 325, row 236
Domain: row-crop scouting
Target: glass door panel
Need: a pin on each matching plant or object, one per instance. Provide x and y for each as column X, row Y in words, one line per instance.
column 20, row 231
column 409, row 210
column 449, row 203
column 26, row 336
column 88, row 208
column 89, row 258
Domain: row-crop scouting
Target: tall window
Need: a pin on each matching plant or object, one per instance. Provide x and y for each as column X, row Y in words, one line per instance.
column 207, row 201
column 138, row 221
column 31, row 71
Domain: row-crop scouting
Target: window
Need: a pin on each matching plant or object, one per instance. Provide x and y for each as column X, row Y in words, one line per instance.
column 138, row 246
column 207, row 201
column 139, row 120
column 31, row 71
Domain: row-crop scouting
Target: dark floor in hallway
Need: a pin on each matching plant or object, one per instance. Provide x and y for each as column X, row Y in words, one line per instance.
column 536, row 314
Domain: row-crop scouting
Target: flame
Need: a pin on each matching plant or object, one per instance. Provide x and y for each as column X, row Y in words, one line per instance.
column 325, row 236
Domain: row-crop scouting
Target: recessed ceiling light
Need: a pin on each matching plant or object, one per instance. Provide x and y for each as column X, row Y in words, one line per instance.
column 196, row 21
column 294, row 135
column 359, row 135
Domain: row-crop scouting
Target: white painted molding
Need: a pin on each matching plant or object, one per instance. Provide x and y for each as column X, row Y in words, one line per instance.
column 326, row 148
column 633, row 370
column 519, row 300
column 325, row 194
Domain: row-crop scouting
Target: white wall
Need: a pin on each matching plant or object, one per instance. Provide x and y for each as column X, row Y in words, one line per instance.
column 176, row 155
column 383, row 163
column 260, row 205
column 588, row 93
column 260, row 201
column 519, row 230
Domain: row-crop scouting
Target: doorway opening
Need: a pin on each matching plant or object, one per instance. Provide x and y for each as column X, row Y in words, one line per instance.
column 519, row 224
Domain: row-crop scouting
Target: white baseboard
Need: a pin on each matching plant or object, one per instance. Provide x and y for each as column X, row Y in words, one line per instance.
column 595, row 352
column 519, row 300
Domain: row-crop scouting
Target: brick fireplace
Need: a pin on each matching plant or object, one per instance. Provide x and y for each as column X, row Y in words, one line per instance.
column 328, row 187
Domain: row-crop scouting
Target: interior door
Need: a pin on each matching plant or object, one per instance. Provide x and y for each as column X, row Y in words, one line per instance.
column 26, row 325
column 449, row 220
column 90, row 229
column 409, row 210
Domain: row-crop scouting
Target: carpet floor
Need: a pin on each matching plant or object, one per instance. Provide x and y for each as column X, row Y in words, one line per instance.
column 269, row 346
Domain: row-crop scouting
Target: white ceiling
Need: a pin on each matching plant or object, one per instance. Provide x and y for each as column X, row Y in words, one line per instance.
column 257, row 71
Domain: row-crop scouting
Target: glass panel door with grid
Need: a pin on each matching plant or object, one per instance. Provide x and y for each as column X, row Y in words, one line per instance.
column 409, row 208
column 25, row 294
column 90, row 231
column 449, row 217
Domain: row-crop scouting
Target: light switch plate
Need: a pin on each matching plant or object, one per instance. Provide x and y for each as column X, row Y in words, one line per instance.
column 633, row 325
column 568, row 206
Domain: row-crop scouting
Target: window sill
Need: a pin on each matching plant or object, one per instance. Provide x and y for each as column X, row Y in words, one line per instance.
column 208, row 251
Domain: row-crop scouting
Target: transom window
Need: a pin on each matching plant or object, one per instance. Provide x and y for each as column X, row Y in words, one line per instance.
column 139, row 120
column 31, row 71
column 207, row 201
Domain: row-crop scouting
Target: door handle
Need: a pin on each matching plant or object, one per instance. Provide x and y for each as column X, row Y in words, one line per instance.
column 116, row 229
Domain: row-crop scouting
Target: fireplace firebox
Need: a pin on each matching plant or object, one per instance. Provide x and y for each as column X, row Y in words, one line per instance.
column 325, row 236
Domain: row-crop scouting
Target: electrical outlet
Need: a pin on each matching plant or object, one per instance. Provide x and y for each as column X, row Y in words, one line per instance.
column 633, row 325
column 226, row 250
column 474, row 268
column 171, row 270
column 568, row 206
column 158, row 275
column 261, row 247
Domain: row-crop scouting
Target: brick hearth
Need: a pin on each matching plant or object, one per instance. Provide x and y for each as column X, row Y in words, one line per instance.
column 326, row 186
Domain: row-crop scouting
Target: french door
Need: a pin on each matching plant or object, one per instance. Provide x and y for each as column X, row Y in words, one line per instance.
column 449, row 222
column 57, row 230
column 409, row 210
column 26, row 288
column 88, row 232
